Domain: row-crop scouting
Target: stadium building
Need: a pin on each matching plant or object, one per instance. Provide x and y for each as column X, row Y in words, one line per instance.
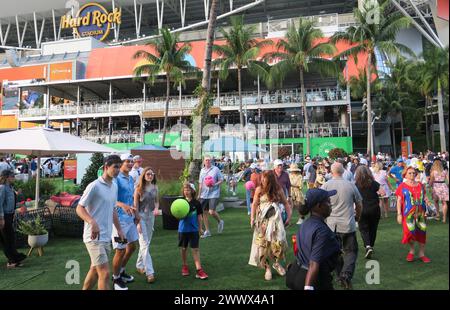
column 70, row 64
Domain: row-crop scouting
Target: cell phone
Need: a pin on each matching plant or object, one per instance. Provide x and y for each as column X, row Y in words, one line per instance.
column 121, row 241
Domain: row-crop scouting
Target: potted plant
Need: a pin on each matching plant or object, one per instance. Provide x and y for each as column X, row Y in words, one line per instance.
column 37, row 233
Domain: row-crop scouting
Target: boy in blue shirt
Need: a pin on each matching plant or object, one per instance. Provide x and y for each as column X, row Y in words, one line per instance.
column 188, row 232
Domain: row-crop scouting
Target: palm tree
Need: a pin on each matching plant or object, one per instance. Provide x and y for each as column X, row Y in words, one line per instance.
column 435, row 76
column 204, row 91
column 169, row 59
column 237, row 52
column 370, row 35
column 300, row 51
column 400, row 87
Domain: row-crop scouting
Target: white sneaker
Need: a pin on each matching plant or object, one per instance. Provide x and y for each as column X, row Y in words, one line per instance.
column 220, row 227
column 206, row 234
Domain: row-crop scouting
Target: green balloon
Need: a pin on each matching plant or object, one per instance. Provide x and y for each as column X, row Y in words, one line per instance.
column 179, row 208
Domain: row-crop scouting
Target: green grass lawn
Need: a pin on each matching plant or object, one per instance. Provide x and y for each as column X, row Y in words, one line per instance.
column 225, row 258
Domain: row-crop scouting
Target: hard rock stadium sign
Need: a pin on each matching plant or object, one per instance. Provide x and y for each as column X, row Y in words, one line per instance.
column 92, row 20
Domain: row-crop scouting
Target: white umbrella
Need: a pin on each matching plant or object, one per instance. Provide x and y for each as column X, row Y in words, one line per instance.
column 46, row 142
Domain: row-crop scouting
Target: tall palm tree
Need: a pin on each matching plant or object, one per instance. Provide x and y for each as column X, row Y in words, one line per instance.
column 435, row 76
column 399, row 84
column 202, row 109
column 169, row 59
column 300, row 51
column 239, row 50
column 373, row 34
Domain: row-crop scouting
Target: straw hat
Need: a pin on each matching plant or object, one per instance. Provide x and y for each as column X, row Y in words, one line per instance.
column 294, row 168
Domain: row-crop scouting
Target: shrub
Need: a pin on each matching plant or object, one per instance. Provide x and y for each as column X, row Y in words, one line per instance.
column 170, row 188
column 32, row 227
column 46, row 189
column 91, row 172
column 337, row 153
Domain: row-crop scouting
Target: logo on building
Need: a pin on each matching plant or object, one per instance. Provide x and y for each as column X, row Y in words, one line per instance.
column 92, row 20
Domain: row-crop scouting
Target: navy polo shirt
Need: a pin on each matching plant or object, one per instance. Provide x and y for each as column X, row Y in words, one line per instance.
column 316, row 242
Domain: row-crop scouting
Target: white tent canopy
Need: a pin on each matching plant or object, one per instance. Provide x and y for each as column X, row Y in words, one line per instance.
column 46, row 142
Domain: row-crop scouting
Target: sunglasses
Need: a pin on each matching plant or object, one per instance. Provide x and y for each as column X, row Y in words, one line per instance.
column 150, row 173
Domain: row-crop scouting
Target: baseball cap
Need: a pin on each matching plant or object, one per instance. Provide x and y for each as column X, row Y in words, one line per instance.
column 126, row 156
column 277, row 162
column 363, row 161
column 137, row 157
column 253, row 166
column 317, row 195
column 400, row 160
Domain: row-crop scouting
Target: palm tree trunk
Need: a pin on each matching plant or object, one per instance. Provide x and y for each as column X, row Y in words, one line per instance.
column 195, row 163
column 166, row 111
column 393, row 139
column 433, row 144
column 427, row 133
column 241, row 114
column 441, row 119
column 369, row 107
column 401, row 125
column 302, row 90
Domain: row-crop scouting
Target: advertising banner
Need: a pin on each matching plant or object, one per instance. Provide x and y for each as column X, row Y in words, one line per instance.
column 70, row 169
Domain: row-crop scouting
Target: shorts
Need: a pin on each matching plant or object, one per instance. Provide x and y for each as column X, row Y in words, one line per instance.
column 186, row 238
column 209, row 204
column 130, row 232
column 98, row 251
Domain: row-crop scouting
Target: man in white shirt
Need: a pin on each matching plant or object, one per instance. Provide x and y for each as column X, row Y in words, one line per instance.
column 97, row 209
column 137, row 169
column 209, row 194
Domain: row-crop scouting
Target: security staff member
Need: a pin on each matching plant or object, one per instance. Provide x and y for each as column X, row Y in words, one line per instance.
column 318, row 247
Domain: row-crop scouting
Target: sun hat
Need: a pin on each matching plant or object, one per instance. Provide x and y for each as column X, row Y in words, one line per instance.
column 294, row 168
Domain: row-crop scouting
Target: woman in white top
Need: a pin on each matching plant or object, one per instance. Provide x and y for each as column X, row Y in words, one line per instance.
column 380, row 176
column 147, row 202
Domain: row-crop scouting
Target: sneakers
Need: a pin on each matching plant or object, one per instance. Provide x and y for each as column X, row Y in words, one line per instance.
column 369, row 252
column 206, row 234
column 425, row 259
column 126, row 277
column 410, row 257
column 279, row 269
column 201, row 274
column 13, row 265
column 119, row 285
column 220, row 227
column 184, row 271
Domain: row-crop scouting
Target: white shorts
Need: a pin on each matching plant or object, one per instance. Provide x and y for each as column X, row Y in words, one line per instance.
column 98, row 252
column 130, row 232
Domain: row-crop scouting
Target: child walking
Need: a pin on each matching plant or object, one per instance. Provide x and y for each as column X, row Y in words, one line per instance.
column 188, row 232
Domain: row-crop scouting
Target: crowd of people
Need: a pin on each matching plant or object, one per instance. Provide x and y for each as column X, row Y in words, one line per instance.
column 332, row 197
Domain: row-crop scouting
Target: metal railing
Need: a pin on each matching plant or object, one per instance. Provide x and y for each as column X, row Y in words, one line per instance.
column 188, row 102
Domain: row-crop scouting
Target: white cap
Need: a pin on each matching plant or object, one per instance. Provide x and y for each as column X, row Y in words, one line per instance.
column 137, row 157
column 126, row 156
column 363, row 161
column 192, row 186
column 253, row 166
column 277, row 162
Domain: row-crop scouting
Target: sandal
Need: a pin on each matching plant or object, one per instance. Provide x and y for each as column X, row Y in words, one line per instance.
column 410, row 257
column 279, row 269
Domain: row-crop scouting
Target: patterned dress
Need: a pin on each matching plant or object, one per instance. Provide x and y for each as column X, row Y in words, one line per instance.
column 269, row 237
column 413, row 212
column 440, row 189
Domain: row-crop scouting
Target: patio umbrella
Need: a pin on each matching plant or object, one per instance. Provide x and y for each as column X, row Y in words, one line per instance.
column 46, row 142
